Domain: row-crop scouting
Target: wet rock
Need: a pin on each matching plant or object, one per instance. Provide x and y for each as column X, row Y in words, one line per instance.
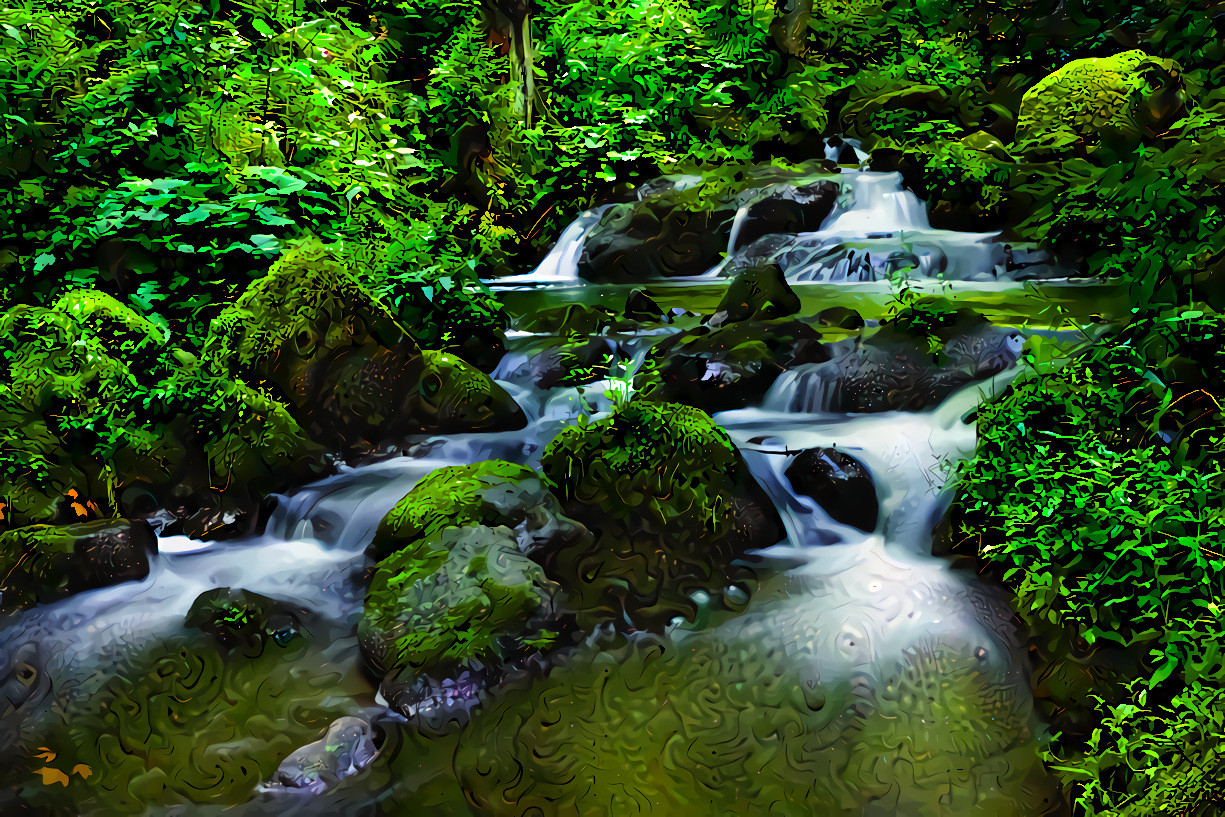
column 684, row 233
column 660, row 237
column 346, row 749
column 785, row 209
column 460, row 597
column 433, row 702
column 757, row 293
column 246, row 621
column 572, row 361
column 670, row 504
column 839, row 483
column 24, row 685
column 728, row 367
column 491, row 493
column 43, row 563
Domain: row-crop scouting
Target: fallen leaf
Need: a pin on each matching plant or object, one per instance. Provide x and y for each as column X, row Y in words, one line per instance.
column 50, row 776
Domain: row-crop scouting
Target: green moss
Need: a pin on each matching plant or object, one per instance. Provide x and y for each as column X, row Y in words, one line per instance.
column 464, row 594
column 454, row 496
column 670, row 502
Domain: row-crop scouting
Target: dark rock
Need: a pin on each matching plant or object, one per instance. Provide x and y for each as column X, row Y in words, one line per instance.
column 659, row 237
column 839, row 483
column 43, row 563
column 242, row 620
column 841, row 317
column 641, row 307
column 571, row 362
column 727, row 367
column 785, row 209
column 758, row 293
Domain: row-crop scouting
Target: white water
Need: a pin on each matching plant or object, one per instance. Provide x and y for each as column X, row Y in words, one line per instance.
column 877, row 230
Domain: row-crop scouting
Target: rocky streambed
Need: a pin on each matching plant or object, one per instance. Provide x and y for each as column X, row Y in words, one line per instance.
column 698, row 578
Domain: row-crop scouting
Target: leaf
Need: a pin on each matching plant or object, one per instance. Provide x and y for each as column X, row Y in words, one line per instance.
column 50, row 776
column 262, row 27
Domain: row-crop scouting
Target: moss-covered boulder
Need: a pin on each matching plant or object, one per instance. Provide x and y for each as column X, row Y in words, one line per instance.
column 728, row 367
column 43, row 563
column 352, row 374
column 670, row 504
column 572, row 319
column 461, row 596
column 483, row 493
column 1101, row 104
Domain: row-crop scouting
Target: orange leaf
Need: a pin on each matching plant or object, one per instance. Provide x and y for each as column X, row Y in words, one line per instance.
column 50, row 776
column 82, row 770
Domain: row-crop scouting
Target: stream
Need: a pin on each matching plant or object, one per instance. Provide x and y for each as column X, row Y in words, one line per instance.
column 921, row 673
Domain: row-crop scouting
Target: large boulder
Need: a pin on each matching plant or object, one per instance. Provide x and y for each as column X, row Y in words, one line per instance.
column 670, row 504
column 839, row 483
column 490, row 493
column 44, row 563
column 727, row 367
column 684, row 232
column 351, row 372
column 1101, row 104
column 463, row 598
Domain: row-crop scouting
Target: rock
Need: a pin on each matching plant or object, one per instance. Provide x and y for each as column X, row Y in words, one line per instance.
column 240, row 619
column 839, row 483
column 493, row 492
column 840, row 317
column 670, row 504
column 641, row 307
column 660, row 237
column 684, row 233
column 433, row 703
column 758, row 293
column 573, row 361
column 346, row 749
column 1102, row 104
column 785, row 209
column 43, row 563
column 462, row 598
column 729, row 367
column 351, row 373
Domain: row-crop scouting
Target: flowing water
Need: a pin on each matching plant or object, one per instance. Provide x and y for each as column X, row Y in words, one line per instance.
column 929, row 704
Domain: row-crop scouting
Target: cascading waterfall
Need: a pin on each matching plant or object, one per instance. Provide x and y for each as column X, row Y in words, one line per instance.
column 877, row 230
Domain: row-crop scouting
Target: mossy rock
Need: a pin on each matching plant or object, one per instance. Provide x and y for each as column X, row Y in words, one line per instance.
column 570, row 320
column 43, row 563
column 463, row 595
column 1105, row 104
column 670, row 503
column 453, row 496
column 352, row 375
